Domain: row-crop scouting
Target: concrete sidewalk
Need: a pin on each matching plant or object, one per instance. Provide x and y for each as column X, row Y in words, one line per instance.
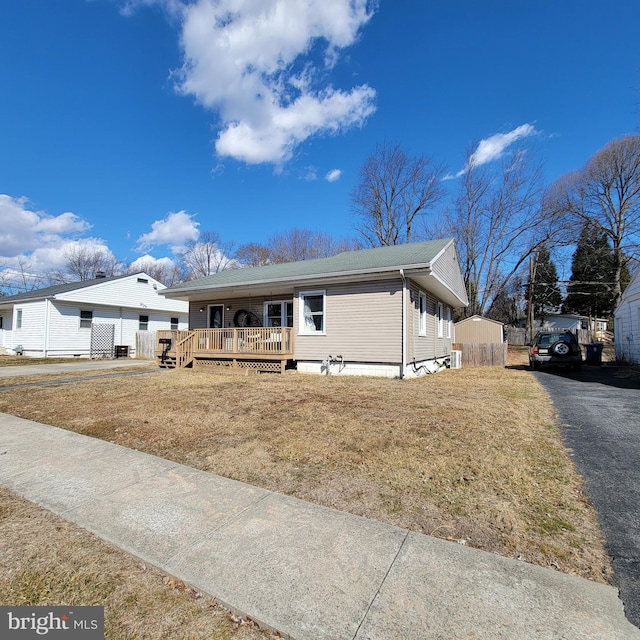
column 306, row 571
column 76, row 366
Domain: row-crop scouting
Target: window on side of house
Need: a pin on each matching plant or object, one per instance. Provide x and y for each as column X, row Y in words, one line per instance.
column 174, row 324
column 143, row 323
column 448, row 322
column 422, row 301
column 18, row 318
column 0, row 322
column 312, row 312
column 440, row 320
column 86, row 318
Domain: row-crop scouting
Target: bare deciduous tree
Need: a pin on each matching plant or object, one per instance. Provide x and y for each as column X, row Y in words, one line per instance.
column 165, row 271
column 83, row 263
column 496, row 221
column 393, row 192
column 606, row 194
column 208, row 255
column 303, row 244
column 253, row 255
column 19, row 277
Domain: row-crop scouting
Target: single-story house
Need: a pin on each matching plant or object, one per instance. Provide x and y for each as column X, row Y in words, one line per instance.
column 478, row 330
column 87, row 318
column 384, row 311
column 627, row 323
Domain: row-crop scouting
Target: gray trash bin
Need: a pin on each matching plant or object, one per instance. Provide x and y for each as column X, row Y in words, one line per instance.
column 594, row 354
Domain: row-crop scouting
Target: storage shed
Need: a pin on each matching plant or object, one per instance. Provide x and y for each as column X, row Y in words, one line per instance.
column 479, row 330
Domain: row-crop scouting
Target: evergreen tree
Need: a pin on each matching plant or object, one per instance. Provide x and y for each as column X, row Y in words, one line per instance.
column 591, row 288
column 546, row 292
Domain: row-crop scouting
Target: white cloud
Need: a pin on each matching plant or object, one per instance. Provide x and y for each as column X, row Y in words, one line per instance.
column 333, row 175
column 24, row 230
column 495, row 146
column 257, row 63
column 54, row 258
column 147, row 262
column 176, row 230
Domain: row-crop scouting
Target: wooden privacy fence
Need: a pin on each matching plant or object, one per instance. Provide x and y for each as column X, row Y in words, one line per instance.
column 493, row 354
column 145, row 345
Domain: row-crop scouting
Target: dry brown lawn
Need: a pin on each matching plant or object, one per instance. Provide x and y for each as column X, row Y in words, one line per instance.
column 472, row 455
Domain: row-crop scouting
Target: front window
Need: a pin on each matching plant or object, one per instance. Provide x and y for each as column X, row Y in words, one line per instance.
column 143, row 324
column 278, row 314
column 422, row 297
column 86, row 317
column 312, row 312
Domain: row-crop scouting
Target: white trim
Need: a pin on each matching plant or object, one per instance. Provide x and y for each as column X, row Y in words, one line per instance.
column 303, row 325
column 422, row 313
column 440, row 317
column 283, row 311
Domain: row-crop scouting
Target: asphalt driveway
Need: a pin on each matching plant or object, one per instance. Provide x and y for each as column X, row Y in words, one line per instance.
column 600, row 408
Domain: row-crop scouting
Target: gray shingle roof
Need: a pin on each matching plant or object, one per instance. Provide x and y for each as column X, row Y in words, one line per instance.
column 379, row 259
column 49, row 292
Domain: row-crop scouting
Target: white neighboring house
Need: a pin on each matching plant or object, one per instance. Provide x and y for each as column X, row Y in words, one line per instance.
column 627, row 323
column 87, row 318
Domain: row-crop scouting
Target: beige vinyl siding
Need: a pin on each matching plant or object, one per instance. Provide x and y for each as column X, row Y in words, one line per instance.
column 363, row 323
column 420, row 347
column 425, row 347
column 198, row 319
column 478, row 330
column 446, row 269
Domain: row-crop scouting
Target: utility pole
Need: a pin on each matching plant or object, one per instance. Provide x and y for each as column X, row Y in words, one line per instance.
column 530, row 310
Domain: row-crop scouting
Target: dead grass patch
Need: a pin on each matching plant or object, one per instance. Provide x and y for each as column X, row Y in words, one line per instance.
column 472, row 455
column 23, row 361
column 45, row 560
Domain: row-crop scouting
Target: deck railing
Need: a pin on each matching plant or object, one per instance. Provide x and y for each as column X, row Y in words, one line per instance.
column 233, row 342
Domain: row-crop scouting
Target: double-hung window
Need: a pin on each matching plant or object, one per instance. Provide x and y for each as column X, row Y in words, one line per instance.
column 448, row 322
column 422, row 301
column 312, row 312
column 143, row 323
column 86, row 318
column 440, row 320
column 174, row 324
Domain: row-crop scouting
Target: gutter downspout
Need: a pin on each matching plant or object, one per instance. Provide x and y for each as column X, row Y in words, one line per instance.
column 403, row 363
column 47, row 323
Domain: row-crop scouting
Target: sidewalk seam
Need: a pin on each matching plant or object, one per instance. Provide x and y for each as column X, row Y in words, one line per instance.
column 384, row 579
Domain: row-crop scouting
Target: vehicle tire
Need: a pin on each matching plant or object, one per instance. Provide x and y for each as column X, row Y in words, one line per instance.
column 561, row 349
column 535, row 366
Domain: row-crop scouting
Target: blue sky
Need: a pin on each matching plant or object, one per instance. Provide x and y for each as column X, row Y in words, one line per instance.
column 137, row 124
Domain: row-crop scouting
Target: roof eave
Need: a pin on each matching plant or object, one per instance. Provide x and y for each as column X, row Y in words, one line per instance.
column 307, row 278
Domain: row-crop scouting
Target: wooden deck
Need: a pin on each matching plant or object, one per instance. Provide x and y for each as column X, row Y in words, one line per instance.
column 248, row 349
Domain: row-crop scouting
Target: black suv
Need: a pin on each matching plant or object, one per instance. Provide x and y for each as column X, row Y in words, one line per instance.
column 555, row 349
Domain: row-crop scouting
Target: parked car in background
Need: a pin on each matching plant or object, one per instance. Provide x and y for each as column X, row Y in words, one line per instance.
column 555, row 349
